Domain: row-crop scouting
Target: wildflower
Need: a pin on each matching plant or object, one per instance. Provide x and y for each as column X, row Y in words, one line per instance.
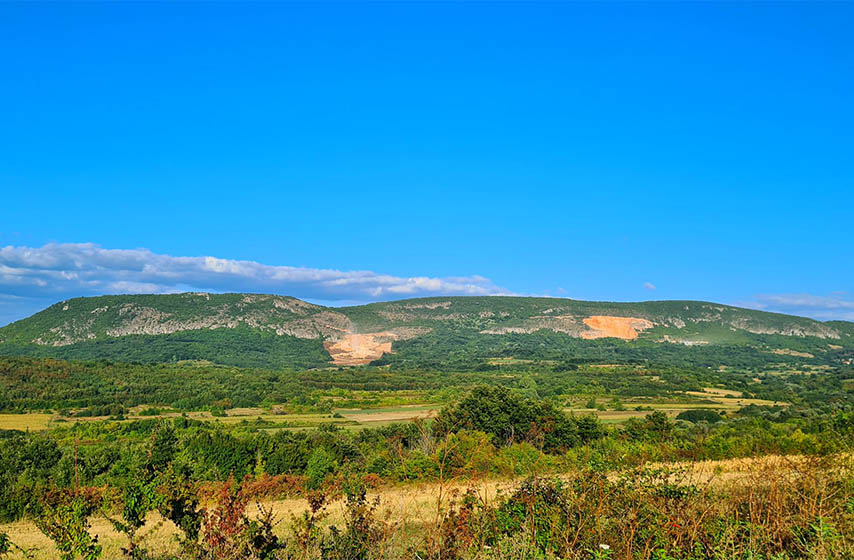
column 604, row 547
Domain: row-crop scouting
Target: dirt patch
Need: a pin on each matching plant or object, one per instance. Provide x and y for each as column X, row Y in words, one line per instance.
column 404, row 415
column 787, row 352
column 721, row 392
column 359, row 349
column 604, row 326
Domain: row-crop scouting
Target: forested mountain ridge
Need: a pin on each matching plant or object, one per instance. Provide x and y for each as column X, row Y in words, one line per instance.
column 276, row 331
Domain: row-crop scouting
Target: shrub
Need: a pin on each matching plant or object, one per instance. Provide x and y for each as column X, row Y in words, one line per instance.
column 509, row 416
column 320, row 464
column 523, row 459
column 179, row 503
column 230, row 535
column 138, row 498
column 700, row 415
column 362, row 533
column 466, row 452
column 63, row 516
column 306, row 529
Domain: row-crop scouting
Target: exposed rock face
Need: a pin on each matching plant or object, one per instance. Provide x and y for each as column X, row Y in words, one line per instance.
column 596, row 326
column 567, row 324
column 137, row 319
column 359, row 349
column 787, row 352
column 615, row 327
column 432, row 305
column 284, row 316
column 819, row 330
column 351, row 349
column 319, row 325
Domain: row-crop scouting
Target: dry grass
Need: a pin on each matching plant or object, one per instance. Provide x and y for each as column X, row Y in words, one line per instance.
column 413, row 505
column 718, row 399
column 398, row 414
column 25, row 422
column 160, row 538
column 722, row 392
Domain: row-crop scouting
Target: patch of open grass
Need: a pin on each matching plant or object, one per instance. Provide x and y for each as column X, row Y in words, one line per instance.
column 33, row 421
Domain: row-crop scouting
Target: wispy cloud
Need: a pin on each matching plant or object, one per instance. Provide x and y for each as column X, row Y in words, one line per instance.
column 649, row 286
column 56, row 271
column 831, row 307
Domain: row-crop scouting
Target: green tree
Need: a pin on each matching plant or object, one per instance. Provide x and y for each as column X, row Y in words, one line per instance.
column 64, row 518
column 700, row 415
column 509, row 416
column 320, row 464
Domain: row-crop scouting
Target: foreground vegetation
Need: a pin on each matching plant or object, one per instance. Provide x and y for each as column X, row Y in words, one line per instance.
column 594, row 460
column 588, row 484
column 799, row 507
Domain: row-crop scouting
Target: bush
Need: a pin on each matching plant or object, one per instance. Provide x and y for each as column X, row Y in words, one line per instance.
column 230, row 535
column 320, row 464
column 700, row 415
column 508, row 417
column 5, row 544
column 466, row 452
column 362, row 533
column 63, row 516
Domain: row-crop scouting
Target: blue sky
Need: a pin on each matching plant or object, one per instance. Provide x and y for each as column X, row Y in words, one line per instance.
column 594, row 151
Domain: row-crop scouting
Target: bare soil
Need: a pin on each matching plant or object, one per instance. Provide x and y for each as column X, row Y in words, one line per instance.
column 604, row 326
column 359, row 349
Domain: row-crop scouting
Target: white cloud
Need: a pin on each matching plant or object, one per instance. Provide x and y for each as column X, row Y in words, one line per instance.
column 85, row 268
column 57, row 271
column 649, row 286
column 832, row 307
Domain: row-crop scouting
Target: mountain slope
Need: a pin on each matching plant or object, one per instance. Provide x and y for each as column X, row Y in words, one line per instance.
column 276, row 331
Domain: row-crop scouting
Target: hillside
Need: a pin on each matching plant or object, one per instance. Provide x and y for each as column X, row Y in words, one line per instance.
column 461, row 332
